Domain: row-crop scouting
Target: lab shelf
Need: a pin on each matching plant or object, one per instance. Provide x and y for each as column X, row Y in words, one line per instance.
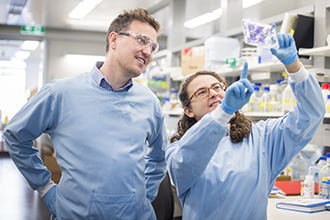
column 173, row 112
column 327, row 115
column 318, row 51
column 263, row 67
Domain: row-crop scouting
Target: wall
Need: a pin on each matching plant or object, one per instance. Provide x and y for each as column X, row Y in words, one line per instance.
column 60, row 65
column 234, row 13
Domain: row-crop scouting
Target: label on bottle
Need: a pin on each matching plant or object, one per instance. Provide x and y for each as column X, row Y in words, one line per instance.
column 308, row 190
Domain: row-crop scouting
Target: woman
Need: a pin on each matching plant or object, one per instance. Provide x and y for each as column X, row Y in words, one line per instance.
column 222, row 173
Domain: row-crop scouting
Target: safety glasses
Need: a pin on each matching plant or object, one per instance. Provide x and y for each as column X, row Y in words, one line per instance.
column 204, row 92
column 143, row 41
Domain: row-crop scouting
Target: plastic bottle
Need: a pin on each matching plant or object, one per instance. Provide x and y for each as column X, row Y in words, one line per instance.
column 298, row 168
column 327, row 186
column 265, row 103
column 324, row 179
column 280, row 87
column 287, row 99
column 327, row 104
column 284, row 82
column 5, row 123
column 254, row 103
column 167, row 106
column 258, row 84
column 325, row 91
column 308, row 187
column 174, row 98
column 274, row 98
column 314, row 169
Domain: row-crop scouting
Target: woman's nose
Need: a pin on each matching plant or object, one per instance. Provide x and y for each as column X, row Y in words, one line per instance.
column 212, row 93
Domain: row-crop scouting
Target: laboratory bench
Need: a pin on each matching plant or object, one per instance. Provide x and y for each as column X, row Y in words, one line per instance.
column 274, row 213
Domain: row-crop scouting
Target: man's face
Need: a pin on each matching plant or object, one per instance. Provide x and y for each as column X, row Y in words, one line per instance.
column 132, row 58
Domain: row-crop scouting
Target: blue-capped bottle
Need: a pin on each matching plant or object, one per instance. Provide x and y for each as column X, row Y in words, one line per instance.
column 254, row 102
column 327, row 104
column 265, row 101
column 324, row 180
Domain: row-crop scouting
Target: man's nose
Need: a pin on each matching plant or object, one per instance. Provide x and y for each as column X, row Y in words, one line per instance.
column 147, row 50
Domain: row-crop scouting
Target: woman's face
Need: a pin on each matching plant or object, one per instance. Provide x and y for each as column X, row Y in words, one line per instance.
column 199, row 107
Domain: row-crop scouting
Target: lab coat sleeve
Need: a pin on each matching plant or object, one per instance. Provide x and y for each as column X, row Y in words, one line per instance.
column 34, row 118
column 286, row 136
column 155, row 169
column 187, row 158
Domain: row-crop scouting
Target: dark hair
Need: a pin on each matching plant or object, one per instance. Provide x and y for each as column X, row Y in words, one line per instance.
column 240, row 126
column 122, row 22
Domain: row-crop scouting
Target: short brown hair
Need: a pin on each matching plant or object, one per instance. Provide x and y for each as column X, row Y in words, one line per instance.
column 122, row 21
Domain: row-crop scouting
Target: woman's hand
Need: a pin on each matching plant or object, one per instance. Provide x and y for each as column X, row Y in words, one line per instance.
column 287, row 53
column 238, row 94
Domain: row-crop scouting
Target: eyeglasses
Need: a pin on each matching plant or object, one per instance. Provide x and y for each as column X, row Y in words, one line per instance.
column 143, row 41
column 204, row 92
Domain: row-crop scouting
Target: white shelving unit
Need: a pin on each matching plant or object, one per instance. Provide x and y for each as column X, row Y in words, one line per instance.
column 263, row 67
column 257, row 68
column 173, row 112
column 319, row 51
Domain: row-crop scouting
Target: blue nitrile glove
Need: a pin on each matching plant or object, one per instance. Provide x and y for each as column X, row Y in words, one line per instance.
column 236, row 94
column 287, row 53
column 50, row 199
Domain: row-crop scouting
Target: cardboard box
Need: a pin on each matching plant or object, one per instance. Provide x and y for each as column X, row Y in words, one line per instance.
column 192, row 60
column 51, row 164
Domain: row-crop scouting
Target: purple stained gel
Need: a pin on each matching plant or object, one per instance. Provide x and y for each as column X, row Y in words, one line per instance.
column 259, row 34
column 258, row 30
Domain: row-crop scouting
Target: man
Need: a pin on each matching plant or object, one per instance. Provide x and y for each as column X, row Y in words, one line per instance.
column 107, row 131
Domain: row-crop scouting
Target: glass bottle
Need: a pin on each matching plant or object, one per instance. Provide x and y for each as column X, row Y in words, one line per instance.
column 324, row 179
column 327, row 104
column 265, row 99
column 254, row 103
column 314, row 169
column 259, row 85
column 174, row 98
column 281, row 84
column 298, row 168
column 274, row 98
column 287, row 99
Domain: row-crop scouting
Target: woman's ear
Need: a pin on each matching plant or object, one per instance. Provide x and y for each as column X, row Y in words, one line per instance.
column 188, row 112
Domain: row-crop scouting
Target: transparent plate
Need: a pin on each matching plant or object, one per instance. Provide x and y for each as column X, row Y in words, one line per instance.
column 259, row 34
